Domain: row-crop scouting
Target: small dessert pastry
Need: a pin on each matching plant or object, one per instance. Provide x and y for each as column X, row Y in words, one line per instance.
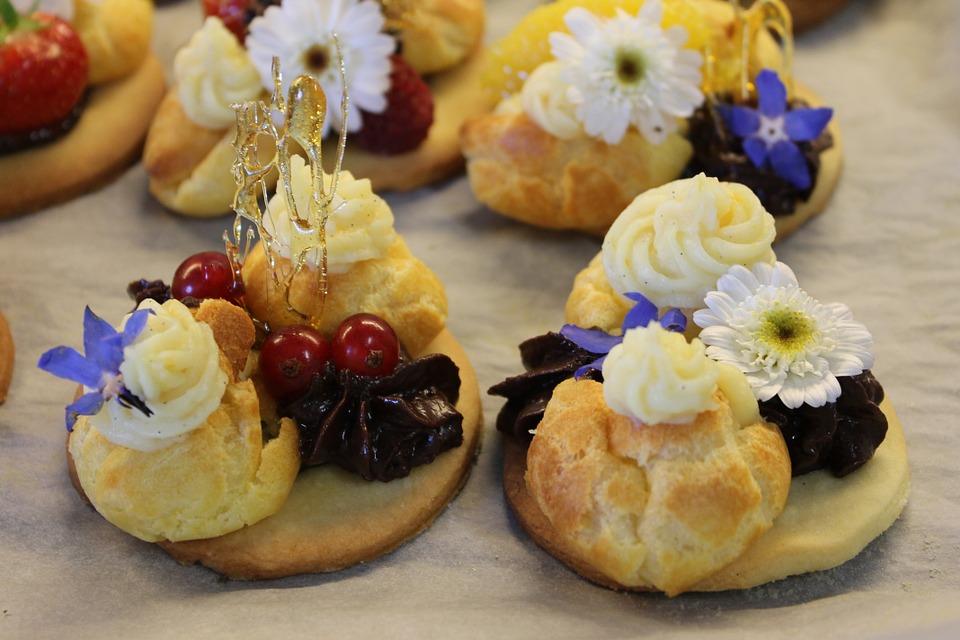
column 604, row 99
column 410, row 71
column 6, row 358
column 284, row 409
column 658, row 463
column 78, row 88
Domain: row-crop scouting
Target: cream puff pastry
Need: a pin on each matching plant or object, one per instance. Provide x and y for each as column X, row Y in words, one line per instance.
column 293, row 407
column 684, row 328
column 572, row 142
column 411, row 68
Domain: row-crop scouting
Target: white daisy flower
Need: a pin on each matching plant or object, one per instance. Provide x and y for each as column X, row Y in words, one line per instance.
column 785, row 342
column 300, row 33
column 628, row 70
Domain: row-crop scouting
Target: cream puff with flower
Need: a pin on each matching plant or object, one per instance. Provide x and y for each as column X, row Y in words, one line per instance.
column 597, row 103
column 78, row 90
column 406, row 67
column 610, row 409
column 165, row 440
column 655, row 477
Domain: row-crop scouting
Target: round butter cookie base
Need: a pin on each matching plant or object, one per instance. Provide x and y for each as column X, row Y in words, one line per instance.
column 808, row 536
column 334, row 519
column 105, row 140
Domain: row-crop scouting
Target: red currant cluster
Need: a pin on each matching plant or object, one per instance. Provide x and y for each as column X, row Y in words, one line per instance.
column 363, row 344
column 289, row 358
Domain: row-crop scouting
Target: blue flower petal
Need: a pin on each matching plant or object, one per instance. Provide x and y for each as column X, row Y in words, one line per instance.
column 802, row 125
column 585, row 369
column 65, row 362
column 742, row 121
column 756, row 150
column 86, row 405
column 643, row 312
column 135, row 325
column 788, row 163
column 771, row 94
column 95, row 330
column 674, row 320
column 592, row 340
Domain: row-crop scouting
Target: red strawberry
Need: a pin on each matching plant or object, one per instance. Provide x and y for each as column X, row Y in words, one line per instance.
column 43, row 70
column 237, row 14
column 233, row 13
column 408, row 117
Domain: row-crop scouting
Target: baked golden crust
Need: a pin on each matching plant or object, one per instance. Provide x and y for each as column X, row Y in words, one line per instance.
column 593, row 302
column 334, row 519
column 397, row 287
column 6, row 357
column 116, row 35
column 807, row 536
column 218, row 478
column 107, row 138
column 437, row 35
column 518, row 169
column 657, row 506
column 190, row 167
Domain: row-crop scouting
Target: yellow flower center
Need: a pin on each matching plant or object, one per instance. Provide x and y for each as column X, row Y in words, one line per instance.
column 630, row 66
column 786, row 331
column 316, row 59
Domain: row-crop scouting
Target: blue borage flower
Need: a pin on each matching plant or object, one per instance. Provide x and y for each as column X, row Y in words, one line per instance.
column 771, row 131
column 99, row 368
column 600, row 342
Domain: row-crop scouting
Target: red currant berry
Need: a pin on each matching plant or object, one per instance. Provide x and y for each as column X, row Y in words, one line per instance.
column 366, row 345
column 207, row 275
column 289, row 358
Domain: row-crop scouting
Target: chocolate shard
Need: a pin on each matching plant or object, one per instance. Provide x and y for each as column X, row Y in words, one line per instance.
column 549, row 360
column 380, row 428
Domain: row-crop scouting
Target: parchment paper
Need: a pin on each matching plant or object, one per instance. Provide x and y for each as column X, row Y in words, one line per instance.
column 889, row 246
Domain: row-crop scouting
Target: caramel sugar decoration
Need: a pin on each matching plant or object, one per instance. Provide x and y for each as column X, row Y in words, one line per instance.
column 763, row 15
column 290, row 124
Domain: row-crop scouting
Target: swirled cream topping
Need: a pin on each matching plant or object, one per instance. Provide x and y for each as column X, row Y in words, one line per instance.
column 214, row 72
column 174, row 367
column 672, row 243
column 360, row 226
column 655, row 376
column 546, row 102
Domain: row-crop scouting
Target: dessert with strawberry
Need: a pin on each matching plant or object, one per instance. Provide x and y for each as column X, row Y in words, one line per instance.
column 407, row 67
column 601, row 100
column 77, row 90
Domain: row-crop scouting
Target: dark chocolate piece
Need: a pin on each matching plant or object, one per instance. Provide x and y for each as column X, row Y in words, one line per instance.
column 719, row 154
column 380, row 428
column 840, row 436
